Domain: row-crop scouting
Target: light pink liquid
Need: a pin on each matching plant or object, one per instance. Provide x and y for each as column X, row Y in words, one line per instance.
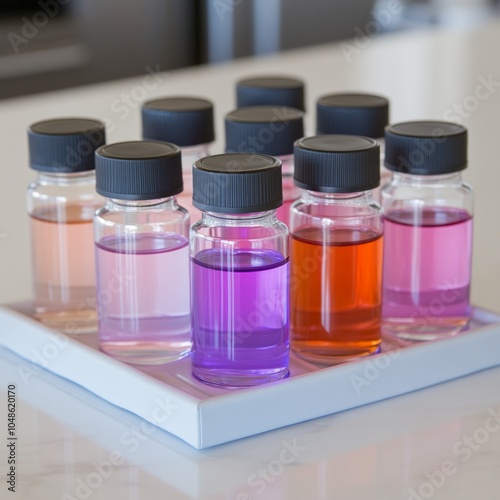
column 63, row 267
column 427, row 271
column 143, row 297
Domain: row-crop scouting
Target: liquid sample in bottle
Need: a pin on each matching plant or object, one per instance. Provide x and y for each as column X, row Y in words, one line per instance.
column 187, row 122
column 336, row 250
column 270, row 130
column 428, row 231
column 336, row 310
column 61, row 206
column 145, row 315
column 242, row 323
column 239, row 272
column 142, row 253
column 435, row 295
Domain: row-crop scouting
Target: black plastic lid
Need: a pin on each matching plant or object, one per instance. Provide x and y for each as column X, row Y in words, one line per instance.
column 270, row 91
column 269, row 130
column 237, row 183
column 426, row 147
column 337, row 163
column 352, row 114
column 65, row 145
column 185, row 121
column 138, row 170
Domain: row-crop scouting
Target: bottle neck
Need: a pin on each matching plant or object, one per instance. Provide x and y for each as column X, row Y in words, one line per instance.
column 454, row 178
column 254, row 218
column 169, row 203
column 66, row 178
column 356, row 198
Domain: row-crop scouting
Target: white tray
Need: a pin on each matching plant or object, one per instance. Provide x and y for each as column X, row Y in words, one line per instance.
column 203, row 416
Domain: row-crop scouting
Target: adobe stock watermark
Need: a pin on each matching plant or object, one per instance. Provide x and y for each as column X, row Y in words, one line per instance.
column 84, row 487
column 484, row 89
column 123, row 105
column 370, row 370
column 363, row 37
column 224, row 7
column 42, row 357
column 80, row 153
column 264, row 476
column 463, row 451
column 48, row 9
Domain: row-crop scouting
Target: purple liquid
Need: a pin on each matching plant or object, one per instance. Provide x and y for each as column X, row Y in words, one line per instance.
column 240, row 318
column 427, row 271
column 143, row 297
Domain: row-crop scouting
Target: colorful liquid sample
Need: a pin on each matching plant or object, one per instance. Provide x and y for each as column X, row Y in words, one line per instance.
column 63, row 267
column 143, row 297
column 240, row 318
column 427, row 271
column 336, row 293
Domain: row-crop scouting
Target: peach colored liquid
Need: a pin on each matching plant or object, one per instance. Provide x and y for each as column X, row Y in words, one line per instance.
column 63, row 267
column 336, row 293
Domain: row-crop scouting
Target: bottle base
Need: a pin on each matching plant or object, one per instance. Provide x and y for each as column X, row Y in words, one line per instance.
column 329, row 354
column 146, row 353
column 237, row 378
column 69, row 322
column 423, row 329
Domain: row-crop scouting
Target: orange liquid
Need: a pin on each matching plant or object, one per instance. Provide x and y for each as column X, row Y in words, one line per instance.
column 63, row 267
column 336, row 293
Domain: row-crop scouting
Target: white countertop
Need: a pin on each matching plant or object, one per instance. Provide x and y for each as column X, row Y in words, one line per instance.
column 437, row 443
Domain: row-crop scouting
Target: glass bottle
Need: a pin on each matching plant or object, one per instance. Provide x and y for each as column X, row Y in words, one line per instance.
column 142, row 254
column 187, row 122
column 239, row 272
column 268, row 130
column 61, row 205
column 336, row 250
column 270, row 90
column 428, row 213
column 355, row 114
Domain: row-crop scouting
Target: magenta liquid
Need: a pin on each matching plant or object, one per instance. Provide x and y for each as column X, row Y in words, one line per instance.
column 427, row 271
column 240, row 316
column 143, row 296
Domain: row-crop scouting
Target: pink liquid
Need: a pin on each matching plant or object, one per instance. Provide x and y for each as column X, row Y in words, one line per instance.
column 143, row 297
column 427, row 271
column 63, row 267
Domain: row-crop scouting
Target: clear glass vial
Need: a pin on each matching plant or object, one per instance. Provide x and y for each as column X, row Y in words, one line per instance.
column 239, row 272
column 142, row 253
column 336, row 250
column 270, row 90
column 188, row 122
column 355, row 114
column 272, row 131
column 61, row 205
column 428, row 213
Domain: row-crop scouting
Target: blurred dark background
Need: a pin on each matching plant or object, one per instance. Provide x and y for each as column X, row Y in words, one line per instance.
column 53, row 44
